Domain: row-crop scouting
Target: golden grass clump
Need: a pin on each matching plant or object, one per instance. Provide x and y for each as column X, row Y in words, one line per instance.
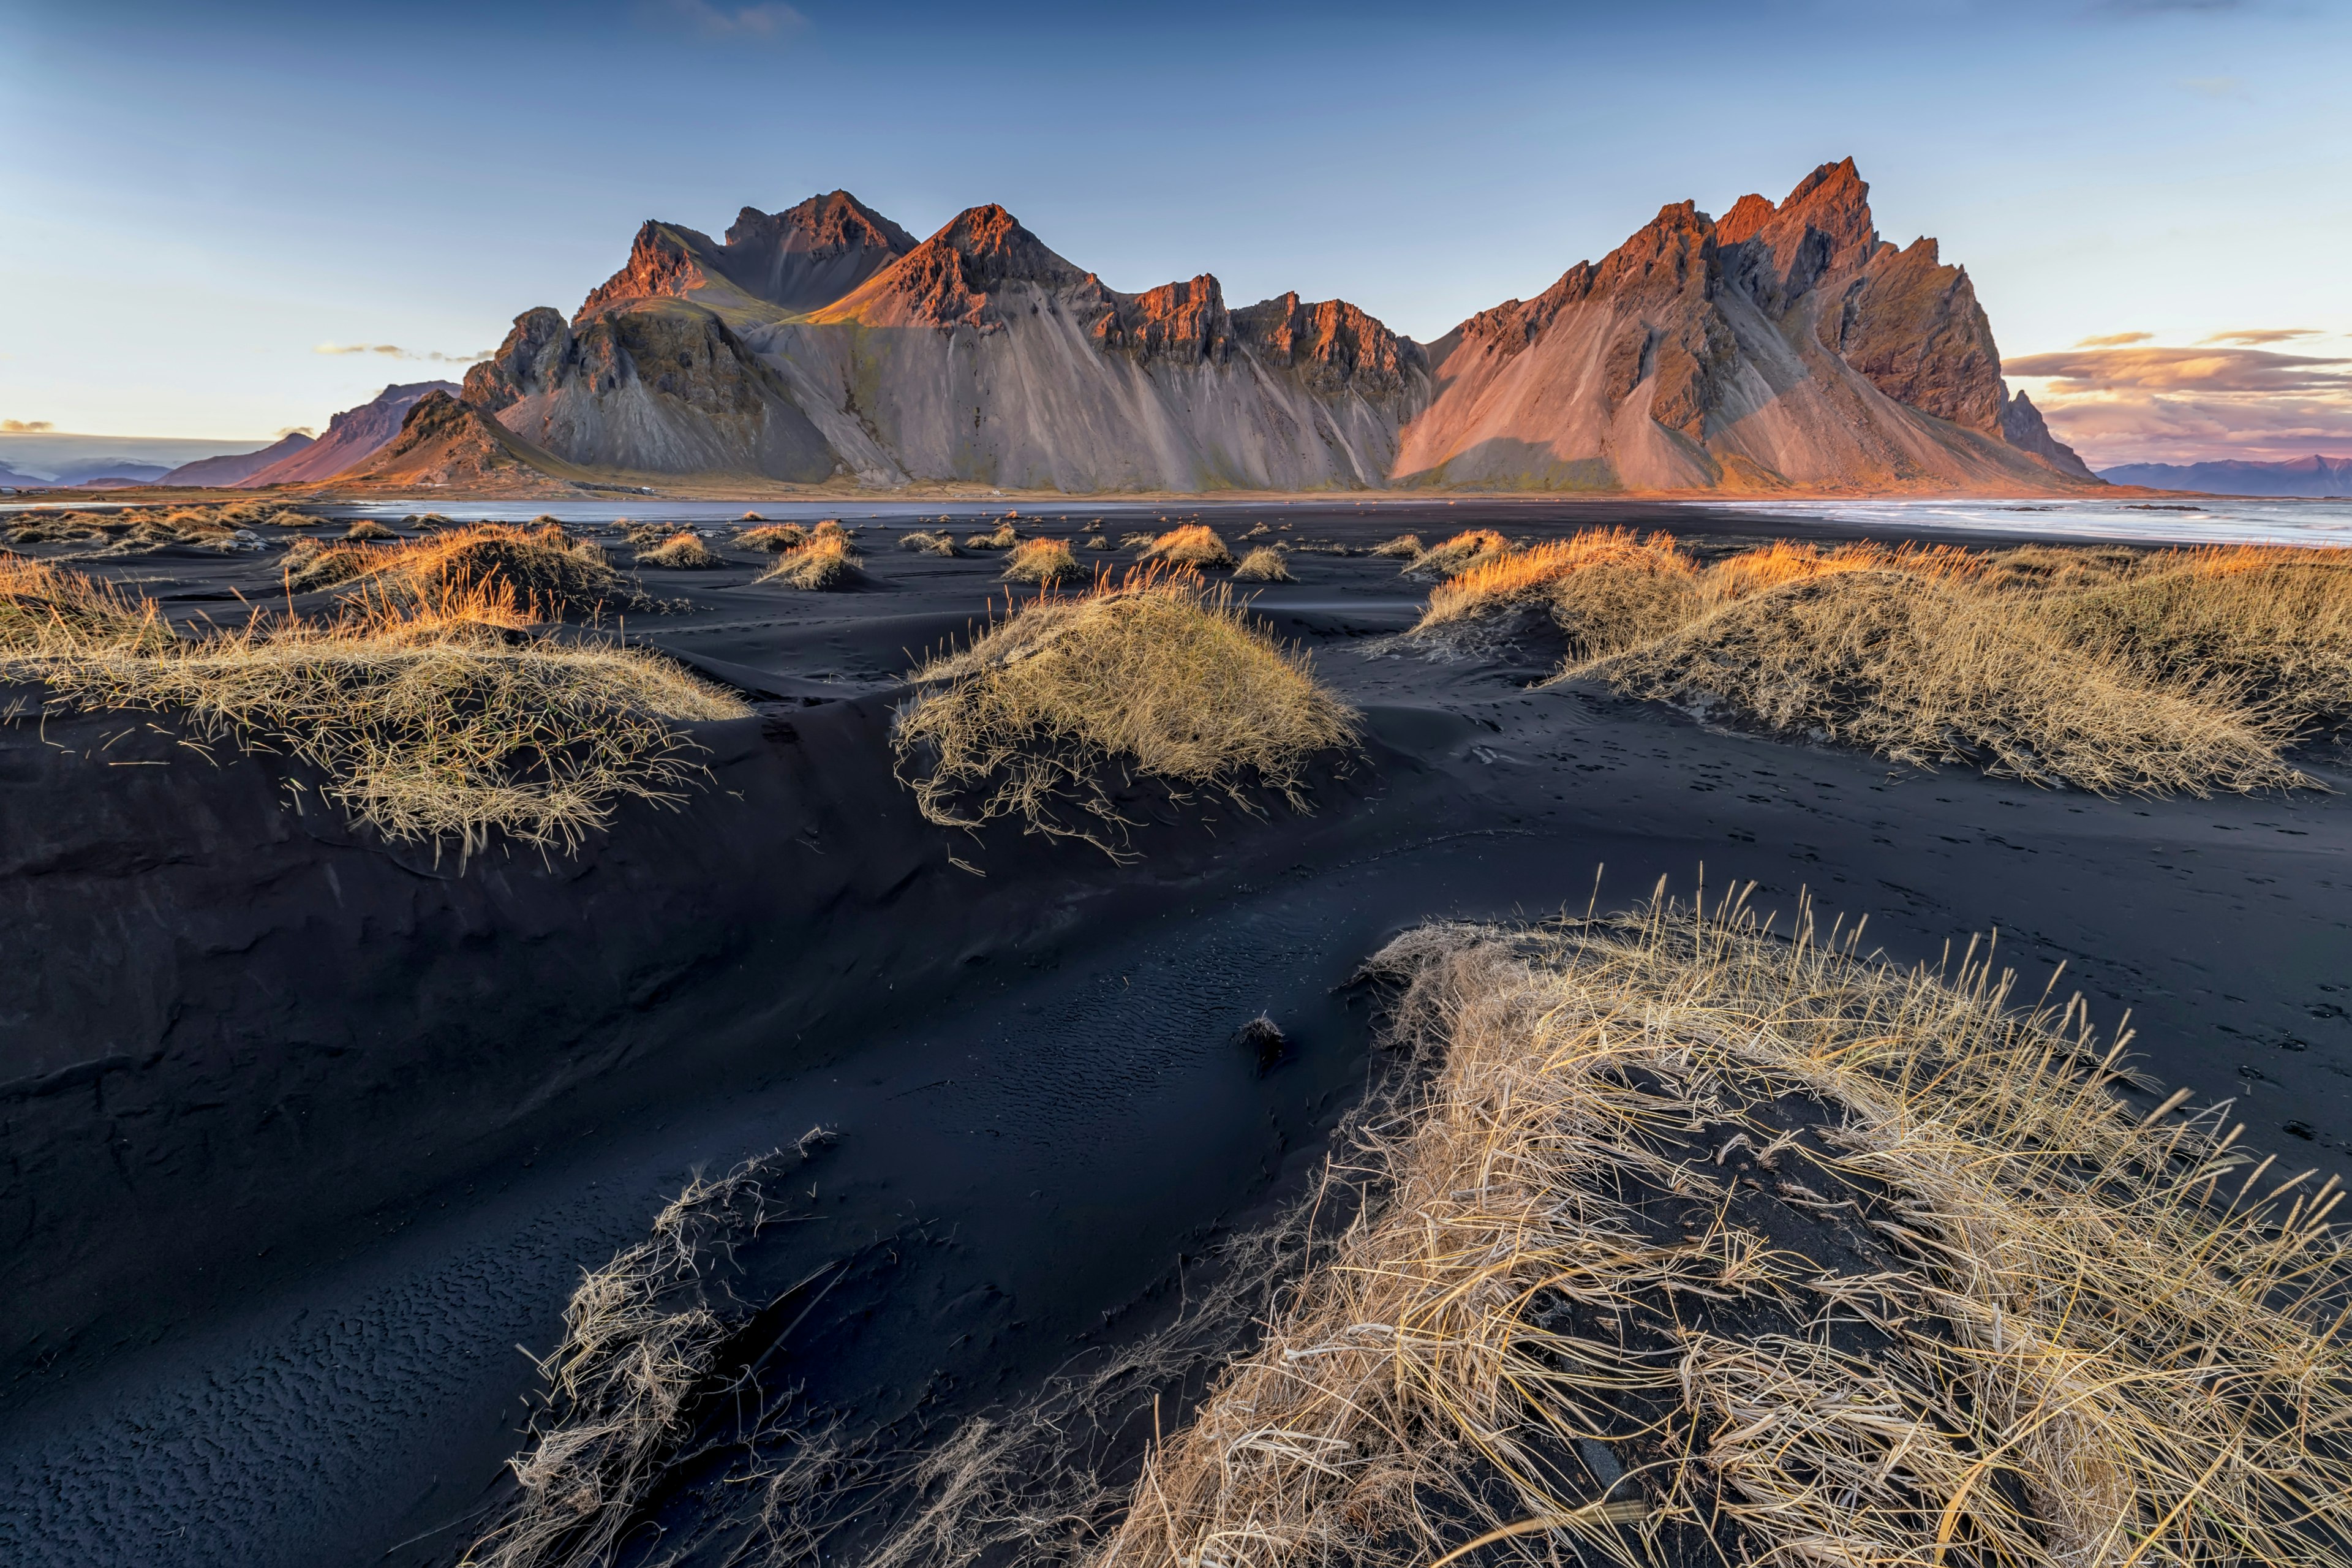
column 823, row 565
column 1405, row 546
column 2128, row 673
column 44, row 610
column 1701, row 1244
column 429, row 720
column 2273, row 624
column 1001, row 537
column 775, row 538
column 683, row 551
column 1196, row 544
column 1042, row 561
column 366, row 529
column 1472, row 548
column 544, row 567
column 1921, row 672
column 1154, row 676
column 928, row 544
column 310, row 564
column 1096, row 541
column 1603, row 586
column 1263, row 564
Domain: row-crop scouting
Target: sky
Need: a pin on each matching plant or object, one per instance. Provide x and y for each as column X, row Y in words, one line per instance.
column 229, row 220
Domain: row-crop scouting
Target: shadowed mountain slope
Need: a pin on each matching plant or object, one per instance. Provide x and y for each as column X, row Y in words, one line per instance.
column 1785, row 347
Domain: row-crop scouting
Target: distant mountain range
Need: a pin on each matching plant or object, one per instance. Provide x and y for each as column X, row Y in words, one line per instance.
column 2313, row 476
column 1783, row 347
column 234, row 467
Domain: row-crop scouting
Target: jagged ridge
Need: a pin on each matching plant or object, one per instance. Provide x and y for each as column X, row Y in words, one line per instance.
column 1785, row 345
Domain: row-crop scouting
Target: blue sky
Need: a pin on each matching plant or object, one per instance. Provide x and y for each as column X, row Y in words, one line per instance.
column 199, row 199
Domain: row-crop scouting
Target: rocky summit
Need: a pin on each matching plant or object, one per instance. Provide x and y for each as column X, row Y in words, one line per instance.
column 1783, row 346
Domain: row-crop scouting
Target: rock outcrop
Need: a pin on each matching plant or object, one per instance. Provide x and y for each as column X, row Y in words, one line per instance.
column 352, row 437
column 2021, row 426
column 1786, row 345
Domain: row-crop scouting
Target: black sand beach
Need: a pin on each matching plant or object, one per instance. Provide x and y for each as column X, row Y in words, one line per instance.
column 306, row 1133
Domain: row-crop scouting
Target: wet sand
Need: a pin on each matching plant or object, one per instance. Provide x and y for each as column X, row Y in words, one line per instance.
column 308, row 1134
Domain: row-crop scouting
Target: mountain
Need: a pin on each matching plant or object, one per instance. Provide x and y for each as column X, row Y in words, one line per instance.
column 1784, row 346
column 977, row 355
column 232, row 466
column 2313, row 476
column 352, row 436
column 443, row 443
column 110, row 471
column 16, row 481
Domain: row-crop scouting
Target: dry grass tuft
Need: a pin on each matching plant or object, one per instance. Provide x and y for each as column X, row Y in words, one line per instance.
column 1001, row 537
column 1263, row 564
column 642, row 1350
column 367, row 529
column 775, row 538
column 1462, row 552
column 2122, row 673
column 1702, row 1246
column 940, row 543
column 1155, row 675
column 1920, row 672
column 2274, row 625
column 683, row 551
column 542, row 567
column 1096, row 541
column 430, row 719
column 1405, row 546
column 44, row 610
column 823, row 565
column 1045, row 561
column 1196, row 544
column 311, row 564
column 1603, row 586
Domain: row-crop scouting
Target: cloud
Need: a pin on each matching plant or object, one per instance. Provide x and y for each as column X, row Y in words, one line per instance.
column 394, row 351
column 769, row 23
column 25, row 426
column 2203, row 369
column 2123, row 405
column 2114, row 339
column 2257, row 336
column 295, row 430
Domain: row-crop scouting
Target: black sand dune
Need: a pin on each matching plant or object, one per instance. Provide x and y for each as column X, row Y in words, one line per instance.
column 306, row 1135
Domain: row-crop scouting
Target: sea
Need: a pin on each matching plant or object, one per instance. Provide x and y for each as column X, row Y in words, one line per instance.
column 2216, row 520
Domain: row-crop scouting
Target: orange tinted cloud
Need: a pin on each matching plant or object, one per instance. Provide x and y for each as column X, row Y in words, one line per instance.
column 2114, row 339
column 2206, row 369
column 394, row 351
column 2256, row 337
column 2121, row 405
